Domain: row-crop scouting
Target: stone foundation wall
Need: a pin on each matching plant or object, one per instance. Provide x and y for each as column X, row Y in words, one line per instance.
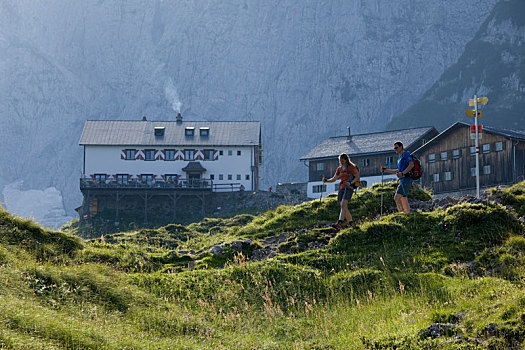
column 299, row 188
column 162, row 207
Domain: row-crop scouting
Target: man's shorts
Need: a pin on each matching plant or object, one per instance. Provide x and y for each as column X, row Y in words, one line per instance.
column 404, row 186
column 345, row 193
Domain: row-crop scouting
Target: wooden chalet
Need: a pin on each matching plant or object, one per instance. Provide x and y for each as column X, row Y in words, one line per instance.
column 449, row 162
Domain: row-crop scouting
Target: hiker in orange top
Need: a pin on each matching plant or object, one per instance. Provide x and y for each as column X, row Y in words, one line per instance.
column 348, row 174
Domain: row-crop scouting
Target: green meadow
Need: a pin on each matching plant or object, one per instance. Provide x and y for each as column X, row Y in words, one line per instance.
column 451, row 278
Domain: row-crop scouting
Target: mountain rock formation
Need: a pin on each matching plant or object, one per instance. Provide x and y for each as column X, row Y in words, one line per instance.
column 492, row 65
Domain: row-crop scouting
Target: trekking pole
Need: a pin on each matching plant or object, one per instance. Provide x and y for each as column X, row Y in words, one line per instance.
column 317, row 214
column 382, row 172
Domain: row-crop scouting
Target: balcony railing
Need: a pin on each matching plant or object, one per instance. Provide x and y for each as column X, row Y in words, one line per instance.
column 149, row 183
column 192, row 184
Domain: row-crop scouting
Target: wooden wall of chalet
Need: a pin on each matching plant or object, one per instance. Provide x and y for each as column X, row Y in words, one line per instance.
column 520, row 161
column 500, row 162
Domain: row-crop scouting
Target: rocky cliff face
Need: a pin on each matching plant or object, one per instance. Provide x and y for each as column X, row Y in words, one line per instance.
column 305, row 69
column 492, row 65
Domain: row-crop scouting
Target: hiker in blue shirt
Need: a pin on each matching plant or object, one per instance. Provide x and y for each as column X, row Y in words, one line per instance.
column 405, row 163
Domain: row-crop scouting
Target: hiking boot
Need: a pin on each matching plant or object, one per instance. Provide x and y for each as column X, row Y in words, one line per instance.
column 337, row 226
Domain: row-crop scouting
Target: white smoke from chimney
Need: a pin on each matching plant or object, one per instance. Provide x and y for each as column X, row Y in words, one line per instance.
column 170, row 91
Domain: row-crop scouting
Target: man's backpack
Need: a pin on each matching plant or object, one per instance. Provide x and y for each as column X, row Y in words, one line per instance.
column 417, row 171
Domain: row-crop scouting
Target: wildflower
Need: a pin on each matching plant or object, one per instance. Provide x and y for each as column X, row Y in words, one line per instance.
column 401, row 287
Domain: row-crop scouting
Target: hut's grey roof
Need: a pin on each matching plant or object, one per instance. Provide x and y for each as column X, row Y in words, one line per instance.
column 366, row 143
column 511, row 134
column 141, row 133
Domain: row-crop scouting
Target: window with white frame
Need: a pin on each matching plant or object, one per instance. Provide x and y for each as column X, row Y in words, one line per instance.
column 319, row 166
column 230, row 177
column 499, row 146
column 221, row 177
column 238, row 177
column 472, row 171
column 318, row 188
column 486, row 169
column 230, row 152
column 130, row 154
column 208, row 154
column 365, row 162
column 435, row 177
column 389, row 160
column 147, row 178
column 100, row 178
column 472, row 150
column 122, row 179
column 170, row 178
column 149, row 154
column 189, row 154
column 444, row 155
column 486, row 148
column 169, row 154
column 431, row 157
column 456, row 153
column 447, row 176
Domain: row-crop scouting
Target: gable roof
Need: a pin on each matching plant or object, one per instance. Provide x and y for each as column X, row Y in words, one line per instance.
column 379, row 142
column 141, row 133
column 511, row 134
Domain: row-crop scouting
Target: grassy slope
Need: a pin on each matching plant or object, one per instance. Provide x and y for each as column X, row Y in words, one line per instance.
column 380, row 285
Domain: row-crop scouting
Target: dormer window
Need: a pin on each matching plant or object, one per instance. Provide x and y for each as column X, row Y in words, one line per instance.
column 189, row 131
column 204, row 132
column 159, row 131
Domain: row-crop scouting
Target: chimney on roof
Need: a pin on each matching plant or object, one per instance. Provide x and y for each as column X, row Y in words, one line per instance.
column 144, row 119
column 179, row 118
column 349, row 137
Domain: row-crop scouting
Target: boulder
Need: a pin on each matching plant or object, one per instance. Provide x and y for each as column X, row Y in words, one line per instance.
column 437, row 330
column 262, row 254
column 217, row 250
